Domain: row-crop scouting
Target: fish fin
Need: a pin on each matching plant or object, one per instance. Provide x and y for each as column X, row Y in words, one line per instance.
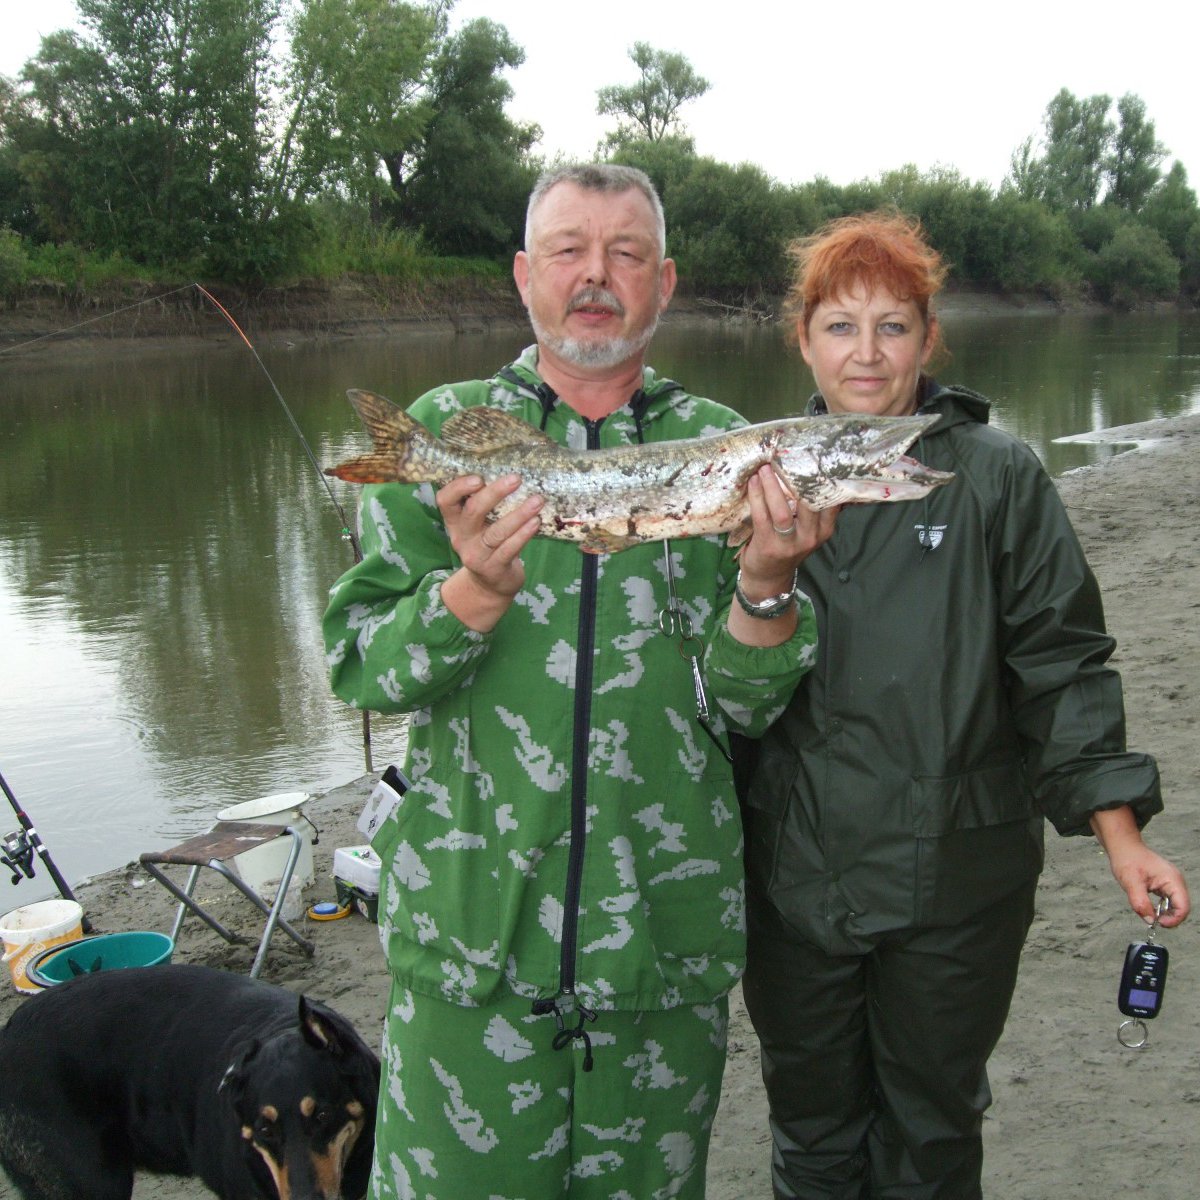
column 483, row 430
column 398, row 439
column 741, row 535
column 367, row 468
column 600, row 542
column 390, row 427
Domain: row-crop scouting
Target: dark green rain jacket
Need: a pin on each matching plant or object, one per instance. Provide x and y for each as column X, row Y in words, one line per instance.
column 961, row 694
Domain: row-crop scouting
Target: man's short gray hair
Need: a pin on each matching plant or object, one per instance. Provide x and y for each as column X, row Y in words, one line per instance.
column 599, row 177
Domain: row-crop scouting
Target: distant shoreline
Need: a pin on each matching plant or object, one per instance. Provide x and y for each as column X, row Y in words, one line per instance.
column 119, row 318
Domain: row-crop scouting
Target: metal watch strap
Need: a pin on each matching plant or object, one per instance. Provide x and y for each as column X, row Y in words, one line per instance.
column 768, row 609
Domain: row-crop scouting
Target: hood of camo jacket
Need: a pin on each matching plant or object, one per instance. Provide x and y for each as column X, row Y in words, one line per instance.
column 571, row 829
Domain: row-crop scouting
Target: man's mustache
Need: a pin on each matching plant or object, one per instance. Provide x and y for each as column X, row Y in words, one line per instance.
column 590, row 296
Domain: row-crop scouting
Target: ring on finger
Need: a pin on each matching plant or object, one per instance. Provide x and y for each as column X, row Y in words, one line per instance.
column 483, row 537
column 787, row 530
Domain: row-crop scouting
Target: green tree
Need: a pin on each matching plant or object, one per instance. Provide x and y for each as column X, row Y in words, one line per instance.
column 1024, row 247
column 1132, row 165
column 726, row 225
column 472, row 172
column 353, row 92
column 1136, row 265
column 650, row 107
column 1078, row 134
column 1171, row 209
column 146, row 136
column 668, row 161
column 14, row 264
column 17, row 211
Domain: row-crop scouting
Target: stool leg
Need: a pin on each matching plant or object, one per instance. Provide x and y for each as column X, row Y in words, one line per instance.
column 184, row 896
column 275, row 917
column 188, row 888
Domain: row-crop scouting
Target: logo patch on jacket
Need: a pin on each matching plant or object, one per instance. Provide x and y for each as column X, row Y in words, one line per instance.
column 930, row 536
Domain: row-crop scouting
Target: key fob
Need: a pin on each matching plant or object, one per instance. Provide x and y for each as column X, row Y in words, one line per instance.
column 1143, row 980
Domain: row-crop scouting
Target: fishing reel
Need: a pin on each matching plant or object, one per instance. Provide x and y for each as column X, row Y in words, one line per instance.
column 17, row 855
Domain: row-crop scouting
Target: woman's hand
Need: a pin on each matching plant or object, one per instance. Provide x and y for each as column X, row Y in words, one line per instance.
column 785, row 532
column 1139, row 870
column 492, row 573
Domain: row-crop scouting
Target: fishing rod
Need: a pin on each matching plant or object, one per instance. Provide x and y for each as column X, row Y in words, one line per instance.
column 347, row 533
column 19, row 848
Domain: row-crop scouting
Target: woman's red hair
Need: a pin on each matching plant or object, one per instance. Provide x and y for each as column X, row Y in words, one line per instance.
column 863, row 253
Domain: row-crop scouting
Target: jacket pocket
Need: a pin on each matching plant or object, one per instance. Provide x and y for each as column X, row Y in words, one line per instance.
column 991, row 795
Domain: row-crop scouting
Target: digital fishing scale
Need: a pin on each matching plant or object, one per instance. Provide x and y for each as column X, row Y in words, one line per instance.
column 1143, row 981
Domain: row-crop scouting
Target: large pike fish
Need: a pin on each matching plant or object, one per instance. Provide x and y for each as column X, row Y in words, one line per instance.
column 610, row 499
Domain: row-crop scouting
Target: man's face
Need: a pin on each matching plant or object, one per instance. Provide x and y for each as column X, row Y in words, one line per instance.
column 591, row 277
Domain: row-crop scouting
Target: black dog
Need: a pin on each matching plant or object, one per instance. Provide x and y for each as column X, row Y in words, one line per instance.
column 183, row 1070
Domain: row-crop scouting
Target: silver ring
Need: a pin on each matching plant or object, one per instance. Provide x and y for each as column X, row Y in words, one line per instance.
column 787, row 531
column 483, row 539
column 1127, row 1031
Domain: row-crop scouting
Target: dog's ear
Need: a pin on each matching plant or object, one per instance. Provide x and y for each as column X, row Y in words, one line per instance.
column 323, row 1029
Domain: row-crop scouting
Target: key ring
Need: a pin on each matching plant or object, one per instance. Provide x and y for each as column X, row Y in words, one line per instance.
column 1132, row 1025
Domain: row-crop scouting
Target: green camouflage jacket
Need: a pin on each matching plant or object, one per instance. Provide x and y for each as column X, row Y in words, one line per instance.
column 571, row 830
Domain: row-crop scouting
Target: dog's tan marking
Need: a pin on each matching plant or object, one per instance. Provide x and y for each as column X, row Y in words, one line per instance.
column 308, row 1106
column 328, row 1167
column 279, row 1175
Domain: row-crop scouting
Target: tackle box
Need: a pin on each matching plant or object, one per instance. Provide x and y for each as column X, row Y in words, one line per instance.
column 366, row 904
column 356, row 877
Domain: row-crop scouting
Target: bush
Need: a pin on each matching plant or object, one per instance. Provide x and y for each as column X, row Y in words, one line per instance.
column 1135, row 266
column 14, row 265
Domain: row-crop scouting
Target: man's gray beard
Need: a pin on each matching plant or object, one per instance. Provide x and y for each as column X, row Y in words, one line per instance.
column 600, row 352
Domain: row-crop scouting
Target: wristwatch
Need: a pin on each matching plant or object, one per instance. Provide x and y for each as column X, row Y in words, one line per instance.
column 771, row 607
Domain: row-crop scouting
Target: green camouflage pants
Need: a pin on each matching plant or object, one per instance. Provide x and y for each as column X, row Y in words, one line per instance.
column 477, row 1104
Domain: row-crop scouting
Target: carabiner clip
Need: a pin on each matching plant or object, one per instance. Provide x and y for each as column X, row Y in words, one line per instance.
column 1161, row 908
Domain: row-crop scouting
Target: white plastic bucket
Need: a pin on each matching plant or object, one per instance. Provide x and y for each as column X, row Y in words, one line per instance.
column 29, row 930
column 262, row 867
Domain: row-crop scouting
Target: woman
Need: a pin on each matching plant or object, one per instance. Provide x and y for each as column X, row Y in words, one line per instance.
column 894, row 821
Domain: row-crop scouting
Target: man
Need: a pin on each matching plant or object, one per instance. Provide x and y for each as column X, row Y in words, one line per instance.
column 562, row 885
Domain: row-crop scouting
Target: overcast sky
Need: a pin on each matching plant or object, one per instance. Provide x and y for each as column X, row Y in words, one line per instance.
column 840, row 90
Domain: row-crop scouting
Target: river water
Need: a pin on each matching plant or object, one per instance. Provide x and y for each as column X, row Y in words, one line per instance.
column 166, row 543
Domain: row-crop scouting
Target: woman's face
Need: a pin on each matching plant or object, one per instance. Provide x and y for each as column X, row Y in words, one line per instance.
column 866, row 351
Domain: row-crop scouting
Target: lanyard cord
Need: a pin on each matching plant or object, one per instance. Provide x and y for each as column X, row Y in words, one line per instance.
column 673, row 619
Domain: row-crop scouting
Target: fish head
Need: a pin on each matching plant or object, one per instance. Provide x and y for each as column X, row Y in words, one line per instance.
column 854, row 458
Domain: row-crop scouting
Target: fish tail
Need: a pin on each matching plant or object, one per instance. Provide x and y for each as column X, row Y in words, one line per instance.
column 400, row 441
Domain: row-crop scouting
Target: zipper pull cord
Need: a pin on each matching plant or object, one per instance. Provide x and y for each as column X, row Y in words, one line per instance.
column 564, row 1037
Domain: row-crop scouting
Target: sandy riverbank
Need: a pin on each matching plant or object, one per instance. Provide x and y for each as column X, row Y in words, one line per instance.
column 1075, row 1114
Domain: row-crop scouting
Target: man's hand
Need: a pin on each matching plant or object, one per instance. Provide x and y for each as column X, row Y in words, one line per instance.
column 480, row 592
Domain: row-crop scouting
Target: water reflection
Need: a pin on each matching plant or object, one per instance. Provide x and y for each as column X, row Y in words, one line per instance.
column 166, row 546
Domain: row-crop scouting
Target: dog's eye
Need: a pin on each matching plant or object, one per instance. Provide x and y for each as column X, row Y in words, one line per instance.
column 325, row 1117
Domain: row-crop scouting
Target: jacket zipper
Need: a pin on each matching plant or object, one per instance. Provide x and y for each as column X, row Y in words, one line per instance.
column 584, row 665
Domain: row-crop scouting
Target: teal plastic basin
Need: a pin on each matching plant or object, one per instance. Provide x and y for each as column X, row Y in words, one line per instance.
column 103, row 952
